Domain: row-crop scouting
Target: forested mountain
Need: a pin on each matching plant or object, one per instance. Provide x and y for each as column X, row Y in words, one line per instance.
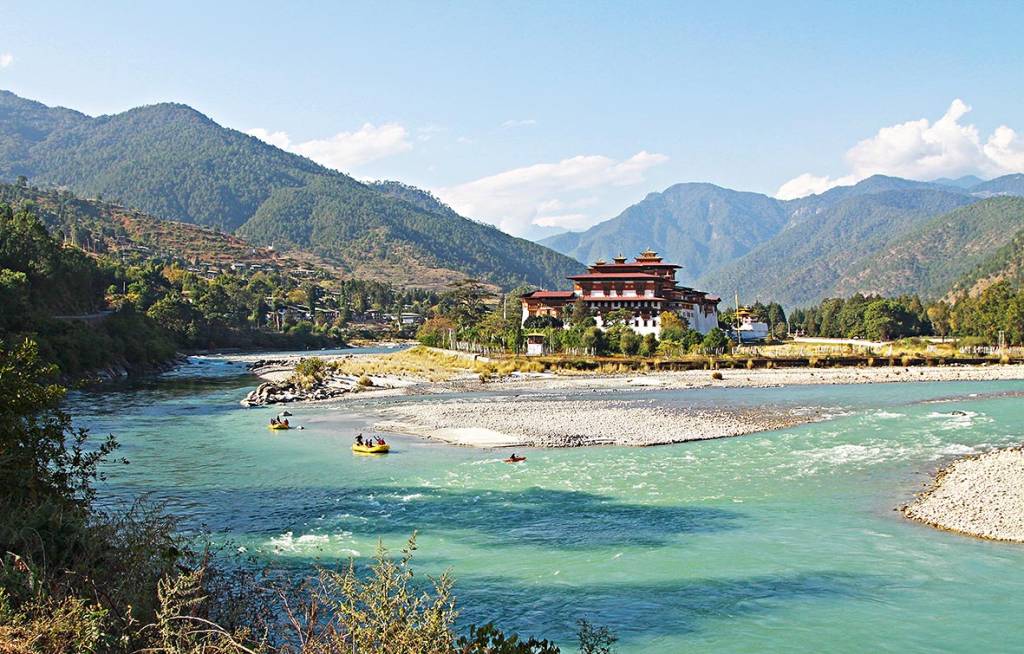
column 966, row 182
column 173, row 162
column 701, row 226
column 930, row 259
column 1005, row 264
column 803, row 263
column 1005, row 185
column 101, row 227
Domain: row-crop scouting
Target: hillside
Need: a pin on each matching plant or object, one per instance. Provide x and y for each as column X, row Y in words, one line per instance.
column 173, row 162
column 701, row 226
column 930, row 259
column 1004, row 264
column 803, row 263
column 102, row 227
column 1005, row 185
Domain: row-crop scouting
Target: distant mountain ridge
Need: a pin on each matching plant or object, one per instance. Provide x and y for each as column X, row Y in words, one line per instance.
column 171, row 161
column 699, row 225
column 797, row 251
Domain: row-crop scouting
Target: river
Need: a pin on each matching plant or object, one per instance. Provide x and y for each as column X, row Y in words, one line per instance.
column 776, row 542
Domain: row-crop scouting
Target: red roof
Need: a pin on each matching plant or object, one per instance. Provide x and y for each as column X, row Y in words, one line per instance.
column 562, row 295
column 625, row 275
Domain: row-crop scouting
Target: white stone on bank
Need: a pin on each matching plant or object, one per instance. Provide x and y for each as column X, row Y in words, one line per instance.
column 980, row 495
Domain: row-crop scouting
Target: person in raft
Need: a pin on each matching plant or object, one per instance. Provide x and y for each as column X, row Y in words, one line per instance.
column 359, row 438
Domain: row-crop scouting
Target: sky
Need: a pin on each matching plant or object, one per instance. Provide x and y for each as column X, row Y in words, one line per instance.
column 545, row 116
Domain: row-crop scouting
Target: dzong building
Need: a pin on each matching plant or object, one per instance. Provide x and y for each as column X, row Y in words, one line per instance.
column 646, row 286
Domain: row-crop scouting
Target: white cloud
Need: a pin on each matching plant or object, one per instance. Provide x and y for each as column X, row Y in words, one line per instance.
column 518, row 123
column 808, row 184
column 345, row 150
column 547, row 194
column 428, row 132
column 920, row 149
column 572, row 221
column 277, row 139
column 1006, row 148
column 6, row 59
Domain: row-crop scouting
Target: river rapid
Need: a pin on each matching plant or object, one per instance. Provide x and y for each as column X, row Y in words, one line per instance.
column 776, row 542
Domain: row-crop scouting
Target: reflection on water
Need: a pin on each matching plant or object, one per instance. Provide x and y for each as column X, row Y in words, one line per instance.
column 775, row 542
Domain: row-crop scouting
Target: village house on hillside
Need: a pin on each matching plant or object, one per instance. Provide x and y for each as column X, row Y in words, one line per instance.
column 647, row 286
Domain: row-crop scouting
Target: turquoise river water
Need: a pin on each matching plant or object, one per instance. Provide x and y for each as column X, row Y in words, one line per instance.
column 777, row 542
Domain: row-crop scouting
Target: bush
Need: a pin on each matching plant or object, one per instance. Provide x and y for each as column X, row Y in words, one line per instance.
column 310, row 371
column 715, row 342
column 669, row 349
column 629, row 342
column 649, row 346
column 594, row 640
column 717, row 376
column 435, row 331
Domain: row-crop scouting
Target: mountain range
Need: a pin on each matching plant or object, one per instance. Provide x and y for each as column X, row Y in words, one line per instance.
column 173, row 162
column 169, row 162
column 884, row 235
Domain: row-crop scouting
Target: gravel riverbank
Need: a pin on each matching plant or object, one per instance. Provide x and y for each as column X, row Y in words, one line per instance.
column 510, row 422
column 979, row 495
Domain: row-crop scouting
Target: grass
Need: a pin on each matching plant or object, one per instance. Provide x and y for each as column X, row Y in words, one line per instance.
column 436, row 365
column 420, row 362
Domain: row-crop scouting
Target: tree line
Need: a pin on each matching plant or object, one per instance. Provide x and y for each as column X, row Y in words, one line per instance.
column 979, row 319
column 87, row 313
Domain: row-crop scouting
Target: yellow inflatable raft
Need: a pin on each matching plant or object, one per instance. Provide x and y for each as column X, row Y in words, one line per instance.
column 371, row 449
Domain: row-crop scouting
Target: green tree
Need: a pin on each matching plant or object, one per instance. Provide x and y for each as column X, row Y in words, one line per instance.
column 593, row 340
column 178, row 316
column 617, row 317
column 673, row 326
column 715, row 341
column 578, row 313
column 888, row 319
column 629, row 342
column 649, row 346
column 43, row 457
column 435, row 331
column 938, row 314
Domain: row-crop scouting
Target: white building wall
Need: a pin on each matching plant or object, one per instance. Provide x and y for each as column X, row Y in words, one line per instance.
column 703, row 323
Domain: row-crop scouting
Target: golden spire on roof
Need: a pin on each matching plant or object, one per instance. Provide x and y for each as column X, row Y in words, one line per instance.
column 620, row 259
column 648, row 255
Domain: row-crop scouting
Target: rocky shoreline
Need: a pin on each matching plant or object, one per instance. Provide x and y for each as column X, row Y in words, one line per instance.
column 522, row 422
column 980, row 495
column 281, row 388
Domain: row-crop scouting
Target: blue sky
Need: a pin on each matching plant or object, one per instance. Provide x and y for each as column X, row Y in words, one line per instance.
column 542, row 116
